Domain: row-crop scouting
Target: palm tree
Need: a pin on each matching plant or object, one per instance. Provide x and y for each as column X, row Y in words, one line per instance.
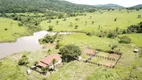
column 35, row 63
column 49, row 51
column 53, row 62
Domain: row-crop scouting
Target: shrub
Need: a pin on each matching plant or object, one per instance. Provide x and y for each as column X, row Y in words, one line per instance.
column 58, row 46
column 35, row 63
column 64, row 19
column 57, row 22
column 93, row 22
column 113, row 46
column 44, row 79
column 20, row 24
column 115, row 19
column 76, row 27
column 76, row 19
column 47, row 39
column 23, row 60
column 49, row 21
column 125, row 39
column 5, row 29
column 89, row 33
column 50, row 28
column 112, row 34
column 139, row 16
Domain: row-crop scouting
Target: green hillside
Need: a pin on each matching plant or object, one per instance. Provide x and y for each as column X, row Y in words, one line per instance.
column 39, row 5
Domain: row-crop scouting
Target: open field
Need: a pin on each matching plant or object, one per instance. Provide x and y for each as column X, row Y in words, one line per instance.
column 77, row 70
column 10, row 30
column 108, row 55
column 100, row 20
column 136, row 38
column 83, row 40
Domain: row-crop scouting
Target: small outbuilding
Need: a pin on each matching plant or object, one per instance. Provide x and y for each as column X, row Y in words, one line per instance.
column 29, row 72
column 136, row 50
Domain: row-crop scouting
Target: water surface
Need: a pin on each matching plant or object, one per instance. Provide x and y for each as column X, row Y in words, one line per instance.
column 26, row 43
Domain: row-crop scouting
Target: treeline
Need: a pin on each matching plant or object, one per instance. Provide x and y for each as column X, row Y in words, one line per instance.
column 114, row 33
column 15, row 6
column 135, row 28
column 137, row 7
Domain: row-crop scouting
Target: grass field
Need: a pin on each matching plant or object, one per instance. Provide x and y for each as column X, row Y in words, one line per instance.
column 77, row 70
column 10, row 30
column 104, row 20
column 136, row 38
column 83, row 40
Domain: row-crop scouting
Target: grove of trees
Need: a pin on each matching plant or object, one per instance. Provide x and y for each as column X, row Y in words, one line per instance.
column 70, row 52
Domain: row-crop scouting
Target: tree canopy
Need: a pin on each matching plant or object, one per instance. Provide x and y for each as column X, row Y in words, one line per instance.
column 40, row 6
column 70, row 52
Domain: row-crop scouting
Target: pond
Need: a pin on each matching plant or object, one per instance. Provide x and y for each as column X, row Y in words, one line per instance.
column 26, row 43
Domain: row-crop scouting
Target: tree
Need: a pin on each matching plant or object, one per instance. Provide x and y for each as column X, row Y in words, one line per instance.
column 139, row 16
column 70, row 52
column 89, row 34
column 76, row 27
column 76, row 19
column 35, row 63
column 49, row 51
column 23, row 60
column 125, row 39
column 112, row 34
column 115, row 19
column 44, row 79
column 57, row 22
column 47, row 39
column 113, row 46
column 53, row 62
column 85, row 22
column 92, row 22
column 71, row 24
column 58, row 45
column 50, row 28
column 60, row 16
column 5, row 29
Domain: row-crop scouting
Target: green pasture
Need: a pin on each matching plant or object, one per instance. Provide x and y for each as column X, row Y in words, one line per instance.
column 10, row 30
column 135, row 38
column 103, row 20
column 83, row 40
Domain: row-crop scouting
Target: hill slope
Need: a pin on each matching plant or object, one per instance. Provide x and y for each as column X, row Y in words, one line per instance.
column 107, row 6
column 137, row 7
column 39, row 5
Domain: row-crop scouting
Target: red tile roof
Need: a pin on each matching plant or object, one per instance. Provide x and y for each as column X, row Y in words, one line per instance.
column 48, row 60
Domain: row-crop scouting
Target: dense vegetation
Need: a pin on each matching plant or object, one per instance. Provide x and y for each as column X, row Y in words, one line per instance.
column 136, row 7
column 40, row 6
column 70, row 52
column 110, row 6
column 135, row 28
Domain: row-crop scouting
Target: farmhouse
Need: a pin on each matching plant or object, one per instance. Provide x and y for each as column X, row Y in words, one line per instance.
column 48, row 60
column 89, row 51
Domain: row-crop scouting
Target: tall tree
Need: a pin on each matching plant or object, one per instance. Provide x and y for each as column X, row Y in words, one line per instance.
column 70, row 52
